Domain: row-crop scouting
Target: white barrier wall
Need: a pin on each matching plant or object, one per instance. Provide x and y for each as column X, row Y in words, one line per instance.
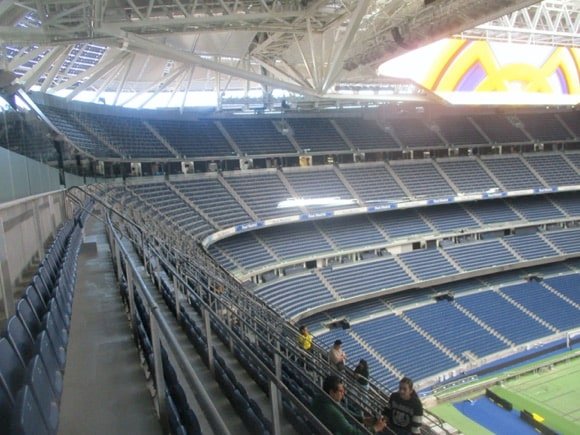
column 26, row 225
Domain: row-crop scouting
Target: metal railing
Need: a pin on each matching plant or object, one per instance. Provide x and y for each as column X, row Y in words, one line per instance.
column 226, row 304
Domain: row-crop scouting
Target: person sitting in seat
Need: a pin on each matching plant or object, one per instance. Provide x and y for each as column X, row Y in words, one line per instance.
column 326, row 407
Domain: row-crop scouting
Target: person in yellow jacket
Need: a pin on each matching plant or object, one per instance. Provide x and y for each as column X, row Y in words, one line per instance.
column 305, row 338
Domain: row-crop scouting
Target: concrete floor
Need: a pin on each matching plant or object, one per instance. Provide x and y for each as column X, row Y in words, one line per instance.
column 105, row 390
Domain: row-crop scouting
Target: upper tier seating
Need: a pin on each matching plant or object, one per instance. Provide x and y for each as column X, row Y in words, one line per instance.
column 572, row 121
column 499, row 129
column 265, row 199
column 491, row 212
column 459, row 130
column 413, row 133
column 566, row 241
column 193, row 139
column 530, row 246
column 568, row 202
column 467, row 174
column 76, row 133
column 543, row 127
column 128, row 134
column 422, row 179
column 366, row 135
column 294, row 241
column 378, row 275
column 317, row 183
column 167, row 202
column 316, row 135
column 257, row 136
column 215, row 200
column 512, row 173
column 536, row 208
column 245, row 249
column 448, row 218
column 480, row 255
column 428, row 263
column 374, row 184
column 296, row 295
column 352, row 232
column 401, row 223
column 553, row 169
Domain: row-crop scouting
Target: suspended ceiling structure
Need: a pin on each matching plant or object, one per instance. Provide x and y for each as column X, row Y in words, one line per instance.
column 309, row 48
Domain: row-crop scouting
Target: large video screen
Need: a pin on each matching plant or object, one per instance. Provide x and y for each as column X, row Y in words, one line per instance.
column 483, row 72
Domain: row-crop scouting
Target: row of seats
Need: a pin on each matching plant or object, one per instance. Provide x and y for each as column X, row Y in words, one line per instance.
column 267, row 136
column 33, row 346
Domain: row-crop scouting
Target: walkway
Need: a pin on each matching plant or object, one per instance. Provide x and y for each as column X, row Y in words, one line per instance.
column 105, row 391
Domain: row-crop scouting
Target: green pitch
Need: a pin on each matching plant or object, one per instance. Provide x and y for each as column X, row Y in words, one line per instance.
column 552, row 393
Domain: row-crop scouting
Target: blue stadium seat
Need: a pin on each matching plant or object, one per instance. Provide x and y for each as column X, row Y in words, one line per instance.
column 239, row 402
column 45, row 349
column 11, row 379
column 36, row 301
column 20, row 339
column 28, row 317
column 45, row 397
column 56, row 339
column 27, row 419
column 41, row 289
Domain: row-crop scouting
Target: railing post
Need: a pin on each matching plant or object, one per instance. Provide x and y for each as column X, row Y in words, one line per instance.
column 275, row 399
column 131, row 297
column 158, row 368
column 177, row 296
column 209, row 339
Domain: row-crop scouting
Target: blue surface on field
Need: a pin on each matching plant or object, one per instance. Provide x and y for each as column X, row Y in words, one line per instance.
column 493, row 417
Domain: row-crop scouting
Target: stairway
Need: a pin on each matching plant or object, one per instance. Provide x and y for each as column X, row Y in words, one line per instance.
column 525, row 310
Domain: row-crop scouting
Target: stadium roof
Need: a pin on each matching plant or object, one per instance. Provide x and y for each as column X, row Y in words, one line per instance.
column 310, row 48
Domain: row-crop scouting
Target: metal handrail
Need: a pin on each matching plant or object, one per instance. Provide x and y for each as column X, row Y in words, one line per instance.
column 285, row 336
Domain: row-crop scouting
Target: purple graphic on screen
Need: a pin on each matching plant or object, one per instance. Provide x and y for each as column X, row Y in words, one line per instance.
column 562, row 80
column 471, row 78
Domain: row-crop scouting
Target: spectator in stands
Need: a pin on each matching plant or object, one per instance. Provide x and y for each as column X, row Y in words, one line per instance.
column 405, row 411
column 361, row 373
column 305, row 338
column 329, row 412
column 336, row 356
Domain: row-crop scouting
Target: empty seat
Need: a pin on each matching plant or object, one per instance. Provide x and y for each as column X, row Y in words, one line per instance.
column 27, row 419
column 28, row 317
column 43, row 393
column 36, row 301
column 20, row 339
column 11, row 380
column 56, row 339
column 53, row 367
column 41, row 289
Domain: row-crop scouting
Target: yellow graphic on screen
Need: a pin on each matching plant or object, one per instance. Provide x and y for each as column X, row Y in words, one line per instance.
column 472, row 66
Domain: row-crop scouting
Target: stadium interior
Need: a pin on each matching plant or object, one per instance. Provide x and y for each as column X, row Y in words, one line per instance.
column 184, row 184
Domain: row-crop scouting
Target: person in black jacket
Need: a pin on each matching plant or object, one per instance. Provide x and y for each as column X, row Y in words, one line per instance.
column 405, row 411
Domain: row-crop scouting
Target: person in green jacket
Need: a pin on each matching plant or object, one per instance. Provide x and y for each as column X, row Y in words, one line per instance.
column 330, row 413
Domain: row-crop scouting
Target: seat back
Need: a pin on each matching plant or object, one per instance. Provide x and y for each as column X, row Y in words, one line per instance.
column 52, row 365
column 28, row 317
column 11, row 379
column 27, row 418
column 41, row 289
column 35, row 301
column 20, row 339
column 45, row 397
